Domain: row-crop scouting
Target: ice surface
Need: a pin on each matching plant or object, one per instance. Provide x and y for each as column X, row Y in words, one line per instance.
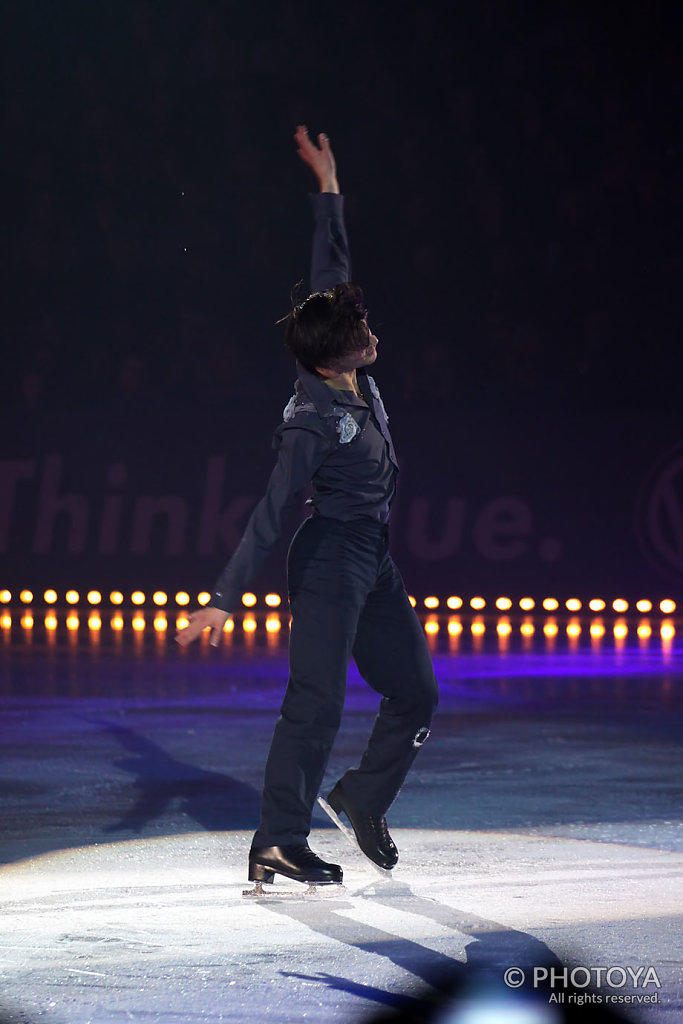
column 541, row 824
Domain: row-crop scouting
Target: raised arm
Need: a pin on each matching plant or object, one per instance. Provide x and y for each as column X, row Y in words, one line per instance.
column 301, row 451
column 331, row 259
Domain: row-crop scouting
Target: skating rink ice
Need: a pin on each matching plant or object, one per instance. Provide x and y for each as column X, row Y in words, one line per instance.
column 541, row 829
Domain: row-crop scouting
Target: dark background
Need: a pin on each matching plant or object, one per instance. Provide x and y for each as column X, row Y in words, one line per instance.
column 512, row 173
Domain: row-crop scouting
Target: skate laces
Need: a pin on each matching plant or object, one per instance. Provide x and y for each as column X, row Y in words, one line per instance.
column 380, row 828
column 309, row 857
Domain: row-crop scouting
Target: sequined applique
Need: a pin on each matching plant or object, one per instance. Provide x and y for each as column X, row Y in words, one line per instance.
column 288, row 410
column 347, row 428
column 376, row 394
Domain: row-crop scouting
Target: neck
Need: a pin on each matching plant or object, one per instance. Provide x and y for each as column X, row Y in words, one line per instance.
column 342, row 381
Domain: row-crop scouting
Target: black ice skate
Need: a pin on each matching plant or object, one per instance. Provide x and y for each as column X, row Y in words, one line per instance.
column 370, row 830
column 297, row 862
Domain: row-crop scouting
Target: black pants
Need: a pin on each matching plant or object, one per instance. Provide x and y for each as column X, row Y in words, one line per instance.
column 347, row 598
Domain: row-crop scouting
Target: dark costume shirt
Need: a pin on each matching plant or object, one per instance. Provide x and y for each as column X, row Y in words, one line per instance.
column 332, row 439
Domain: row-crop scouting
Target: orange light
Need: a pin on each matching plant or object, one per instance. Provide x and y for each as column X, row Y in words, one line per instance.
column 72, row 597
column 667, row 606
column 94, row 597
column 527, row 629
column 27, row 620
column 6, row 621
column 454, row 627
column 116, row 597
column 644, row 631
column 273, row 600
column 159, row 598
column 160, row 623
column 117, row 622
column 182, row 598
column 248, row 600
column 573, row 629
column 273, row 624
column 527, row 604
column 478, row 603
column 504, row 628
column 249, row 624
column 26, row 596
column 229, row 626
column 51, row 621
column 644, row 606
column 620, row 605
column 620, row 630
column 597, row 630
column 478, row 628
column 504, row 604
column 94, row 621
column 573, row 604
column 137, row 597
column 138, row 623
column 431, row 602
column 551, row 604
column 204, row 597
column 72, row 621
column 181, row 622
column 454, row 602
column 550, row 628
column 412, row 600
column 667, row 631
column 5, row 596
column 50, row 596
column 432, row 627
column 597, row 604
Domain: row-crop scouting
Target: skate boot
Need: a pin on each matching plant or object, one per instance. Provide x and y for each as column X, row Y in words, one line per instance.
column 372, row 834
column 297, row 862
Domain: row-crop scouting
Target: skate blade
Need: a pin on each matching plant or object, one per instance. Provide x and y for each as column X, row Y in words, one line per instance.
column 351, row 836
column 314, row 891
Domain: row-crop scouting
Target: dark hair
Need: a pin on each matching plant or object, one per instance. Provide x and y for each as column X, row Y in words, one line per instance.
column 327, row 326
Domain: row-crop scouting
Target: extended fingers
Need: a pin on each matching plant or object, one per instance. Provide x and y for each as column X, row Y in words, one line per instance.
column 301, row 137
column 306, row 146
column 189, row 632
column 186, row 635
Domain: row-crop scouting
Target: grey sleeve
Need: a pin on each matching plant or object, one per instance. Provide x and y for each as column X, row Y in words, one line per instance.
column 331, row 258
column 301, row 452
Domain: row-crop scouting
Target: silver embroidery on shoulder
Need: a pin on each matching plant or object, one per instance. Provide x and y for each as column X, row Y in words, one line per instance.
column 347, row 428
column 288, row 410
column 375, row 391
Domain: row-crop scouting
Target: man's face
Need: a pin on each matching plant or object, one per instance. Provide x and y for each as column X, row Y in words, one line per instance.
column 361, row 357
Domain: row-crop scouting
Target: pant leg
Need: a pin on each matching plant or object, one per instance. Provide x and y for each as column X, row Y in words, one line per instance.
column 392, row 656
column 331, row 568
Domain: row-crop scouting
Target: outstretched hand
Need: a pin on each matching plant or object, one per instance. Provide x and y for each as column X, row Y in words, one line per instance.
column 198, row 621
column 319, row 158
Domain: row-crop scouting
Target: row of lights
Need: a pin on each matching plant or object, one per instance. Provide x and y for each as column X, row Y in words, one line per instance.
column 138, row 622
column 273, row 624
column 138, row 598
column 551, row 604
column 249, row 600
column 550, row 629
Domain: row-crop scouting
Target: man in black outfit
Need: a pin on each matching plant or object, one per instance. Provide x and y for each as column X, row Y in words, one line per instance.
column 345, row 594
